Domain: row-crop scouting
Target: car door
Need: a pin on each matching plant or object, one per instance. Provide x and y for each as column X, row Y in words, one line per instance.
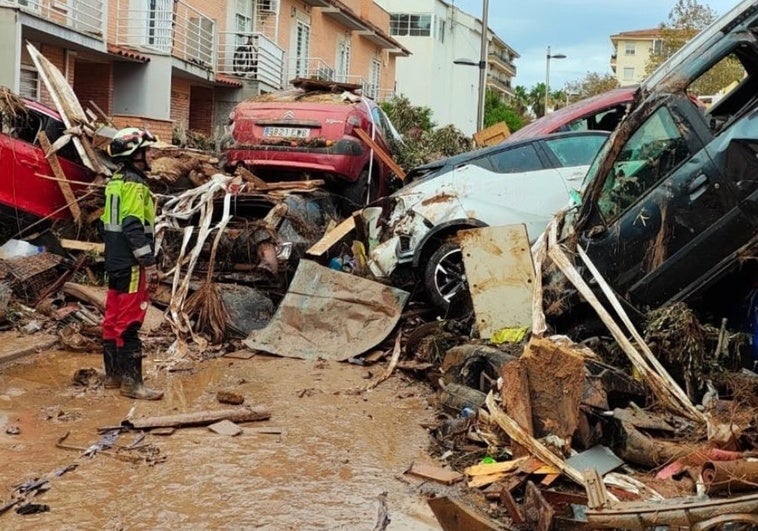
column 20, row 160
column 513, row 185
column 662, row 198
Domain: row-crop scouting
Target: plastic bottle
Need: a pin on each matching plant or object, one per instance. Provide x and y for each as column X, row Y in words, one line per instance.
column 18, row 248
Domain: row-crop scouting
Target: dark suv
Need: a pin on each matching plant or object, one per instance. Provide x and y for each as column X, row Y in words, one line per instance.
column 671, row 201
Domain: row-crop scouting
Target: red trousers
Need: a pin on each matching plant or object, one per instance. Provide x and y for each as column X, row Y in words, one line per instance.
column 126, row 304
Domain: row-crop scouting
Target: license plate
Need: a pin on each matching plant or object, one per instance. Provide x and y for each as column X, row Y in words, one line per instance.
column 287, row 132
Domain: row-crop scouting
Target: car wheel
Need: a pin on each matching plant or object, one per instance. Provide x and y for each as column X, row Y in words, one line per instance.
column 357, row 194
column 445, row 280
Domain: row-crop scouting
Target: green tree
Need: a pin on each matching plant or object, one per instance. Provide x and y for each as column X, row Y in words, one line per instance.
column 686, row 19
column 591, row 85
column 408, row 119
column 536, row 100
column 496, row 110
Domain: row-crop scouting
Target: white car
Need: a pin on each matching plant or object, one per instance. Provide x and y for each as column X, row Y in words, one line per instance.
column 524, row 181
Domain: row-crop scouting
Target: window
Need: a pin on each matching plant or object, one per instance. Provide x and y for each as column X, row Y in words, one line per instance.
column 629, row 48
column 374, row 78
column 576, row 150
column 29, row 86
column 657, row 48
column 650, row 154
column 302, row 48
column 343, row 61
column 524, row 158
column 628, row 73
column 160, row 14
column 404, row 24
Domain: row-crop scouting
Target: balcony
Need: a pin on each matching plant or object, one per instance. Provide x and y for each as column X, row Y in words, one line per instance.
column 171, row 28
column 503, row 62
column 251, row 56
column 83, row 16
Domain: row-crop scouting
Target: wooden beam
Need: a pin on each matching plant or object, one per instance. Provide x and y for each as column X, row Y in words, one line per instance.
column 454, row 516
column 383, row 155
column 63, row 183
column 76, row 245
column 332, row 237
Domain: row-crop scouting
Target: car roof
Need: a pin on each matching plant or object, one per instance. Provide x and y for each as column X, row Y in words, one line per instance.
column 41, row 107
column 462, row 158
column 554, row 120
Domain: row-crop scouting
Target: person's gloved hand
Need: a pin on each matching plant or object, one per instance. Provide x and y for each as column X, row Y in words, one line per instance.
column 152, row 278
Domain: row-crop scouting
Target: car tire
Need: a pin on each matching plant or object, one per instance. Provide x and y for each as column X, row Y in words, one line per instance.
column 445, row 280
column 356, row 193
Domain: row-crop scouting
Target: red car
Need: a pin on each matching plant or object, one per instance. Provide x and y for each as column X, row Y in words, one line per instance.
column 602, row 112
column 300, row 134
column 23, row 188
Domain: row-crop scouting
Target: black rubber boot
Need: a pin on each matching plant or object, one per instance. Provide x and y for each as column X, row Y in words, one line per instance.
column 131, row 384
column 112, row 365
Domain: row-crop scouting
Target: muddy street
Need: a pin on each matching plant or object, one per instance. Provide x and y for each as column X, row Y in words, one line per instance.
column 335, row 451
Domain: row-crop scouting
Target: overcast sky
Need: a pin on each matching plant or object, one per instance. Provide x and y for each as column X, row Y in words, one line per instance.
column 580, row 29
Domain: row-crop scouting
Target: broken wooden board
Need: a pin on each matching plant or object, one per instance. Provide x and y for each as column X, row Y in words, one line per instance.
column 333, row 236
column 452, row 515
column 500, row 275
column 68, row 107
column 96, row 295
column 199, row 418
column 516, row 401
column 383, row 155
column 330, row 315
column 556, row 385
column 495, row 468
column 88, row 247
column 435, row 473
column 538, row 513
column 63, row 184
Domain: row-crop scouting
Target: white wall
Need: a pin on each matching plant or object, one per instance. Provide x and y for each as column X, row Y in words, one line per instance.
column 10, row 49
column 428, row 77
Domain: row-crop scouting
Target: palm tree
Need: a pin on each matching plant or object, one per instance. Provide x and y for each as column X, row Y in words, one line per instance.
column 537, row 99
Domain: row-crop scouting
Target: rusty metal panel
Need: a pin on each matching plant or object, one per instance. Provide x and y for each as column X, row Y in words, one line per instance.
column 500, row 274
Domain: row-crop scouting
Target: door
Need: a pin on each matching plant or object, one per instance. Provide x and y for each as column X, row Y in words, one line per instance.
column 660, row 205
column 157, row 31
column 301, row 43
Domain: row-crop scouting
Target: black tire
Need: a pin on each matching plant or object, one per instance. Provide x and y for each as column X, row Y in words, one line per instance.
column 356, row 194
column 445, row 280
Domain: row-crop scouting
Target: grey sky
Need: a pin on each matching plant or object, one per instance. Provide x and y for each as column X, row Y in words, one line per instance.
column 580, row 29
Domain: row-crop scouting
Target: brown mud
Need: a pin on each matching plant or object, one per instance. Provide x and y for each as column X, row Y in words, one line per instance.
column 336, row 453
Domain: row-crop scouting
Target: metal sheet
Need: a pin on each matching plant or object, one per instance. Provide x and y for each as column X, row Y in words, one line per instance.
column 330, row 315
column 599, row 457
column 500, row 274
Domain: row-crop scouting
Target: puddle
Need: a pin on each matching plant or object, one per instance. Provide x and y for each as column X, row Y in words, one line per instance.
column 335, row 454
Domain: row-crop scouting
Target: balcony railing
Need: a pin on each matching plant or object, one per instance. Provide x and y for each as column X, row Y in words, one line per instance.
column 504, row 61
column 84, row 16
column 251, row 56
column 170, row 27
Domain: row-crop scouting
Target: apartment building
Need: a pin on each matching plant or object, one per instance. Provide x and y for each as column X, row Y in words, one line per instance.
column 632, row 50
column 437, row 33
column 182, row 64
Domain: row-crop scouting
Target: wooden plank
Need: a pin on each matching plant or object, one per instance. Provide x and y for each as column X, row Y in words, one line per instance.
column 495, row 468
column 76, row 245
column 538, row 512
column 454, row 516
column 435, row 473
column 516, row 433
column 332, row 237
column 63, row 183
column 506, row 499
column 549, row 479
column 483, row 481
column 516, row 401
column 383, row 155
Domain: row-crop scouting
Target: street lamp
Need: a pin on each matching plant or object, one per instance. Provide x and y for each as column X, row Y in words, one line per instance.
column 547, row 74
column 482, row 64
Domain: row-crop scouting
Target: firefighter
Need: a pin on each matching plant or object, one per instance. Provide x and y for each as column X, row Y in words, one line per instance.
column 128, row 222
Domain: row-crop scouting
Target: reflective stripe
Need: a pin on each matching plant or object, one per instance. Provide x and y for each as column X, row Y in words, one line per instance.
column 134, row 280
column 142, row 251
column 110, row 227
column 115, row 206
column 149, row 229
